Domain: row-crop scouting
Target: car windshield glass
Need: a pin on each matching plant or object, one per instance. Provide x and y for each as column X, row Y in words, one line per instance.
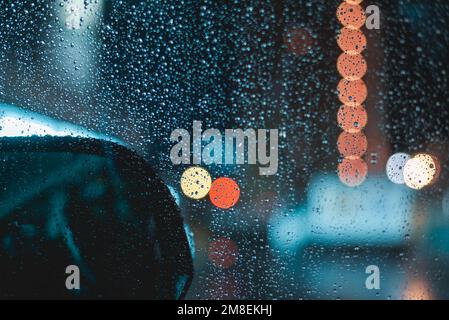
column 306, row 142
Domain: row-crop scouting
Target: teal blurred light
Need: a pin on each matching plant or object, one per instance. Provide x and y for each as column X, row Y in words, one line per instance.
column 377, row 213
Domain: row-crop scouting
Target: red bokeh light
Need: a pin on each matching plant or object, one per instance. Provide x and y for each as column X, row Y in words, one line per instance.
column 224, row 193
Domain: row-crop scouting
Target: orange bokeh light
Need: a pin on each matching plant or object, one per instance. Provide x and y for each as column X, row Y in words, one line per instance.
column 352, row 119
column 352, row 92
column 352, row 172
column 352, row 66
column 417, row 289
column 351, row 41
column 224, row 193
column 351, row 15
column 352, row 145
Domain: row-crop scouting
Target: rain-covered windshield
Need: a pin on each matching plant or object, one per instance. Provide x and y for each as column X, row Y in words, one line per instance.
column 347, row 176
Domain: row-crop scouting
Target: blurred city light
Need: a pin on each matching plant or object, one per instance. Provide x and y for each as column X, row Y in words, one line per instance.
column 352, row 145
column 79, row 14
column 352, row 93
column 352, row 172
column 420, row 171
column 376, row 212
column 352, row 119
column 17, row 122
column 196, row 182
column 352, row 41
column 352, row 66
column 288, row 231
column 224, row 193
column 351, row 15
column 395, row 167
column 417, row 289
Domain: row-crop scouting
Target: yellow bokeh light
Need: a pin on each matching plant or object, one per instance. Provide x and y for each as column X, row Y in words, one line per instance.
column 420, row 171
column 196, row 182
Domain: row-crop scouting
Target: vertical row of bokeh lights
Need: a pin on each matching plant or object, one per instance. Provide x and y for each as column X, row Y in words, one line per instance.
column 352, row 92
column 416, row 171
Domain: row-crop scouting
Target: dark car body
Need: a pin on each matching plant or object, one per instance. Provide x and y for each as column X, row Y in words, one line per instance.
column 92, row 203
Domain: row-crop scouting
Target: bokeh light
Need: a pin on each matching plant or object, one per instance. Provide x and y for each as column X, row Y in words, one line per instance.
column 223, row 252
column 287, row 232
column 352, row 92
column 352, row 66
column 224, row 193
column 352, row 145
column 196, row 182
column 352, row 119
column 298, row 40
column 421, row 170
column 354, row 1
column 417, row 289
column 352, row 172
column 351, row 41
column 351, row 15
column 395, row 167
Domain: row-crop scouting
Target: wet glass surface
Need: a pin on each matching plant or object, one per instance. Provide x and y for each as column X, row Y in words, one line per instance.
column 138, row 70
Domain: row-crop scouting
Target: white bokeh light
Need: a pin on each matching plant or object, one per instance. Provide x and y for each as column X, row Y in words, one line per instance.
column 420, row 171
column 395, row 167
